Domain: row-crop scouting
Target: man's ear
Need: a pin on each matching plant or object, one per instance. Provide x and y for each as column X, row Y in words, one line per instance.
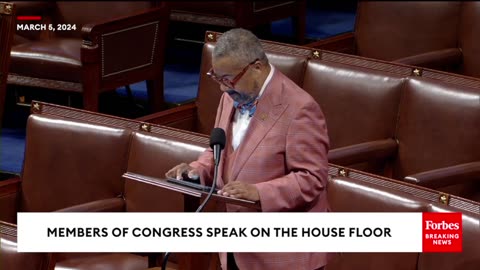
column 258, row 65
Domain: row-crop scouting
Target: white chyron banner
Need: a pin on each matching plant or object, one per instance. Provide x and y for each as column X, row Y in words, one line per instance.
column 220, row 232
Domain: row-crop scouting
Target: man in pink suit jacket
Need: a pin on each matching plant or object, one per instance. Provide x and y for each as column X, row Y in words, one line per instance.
column 276, row 148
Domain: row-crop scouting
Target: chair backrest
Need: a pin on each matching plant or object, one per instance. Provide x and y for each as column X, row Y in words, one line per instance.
column 153, row 154
column 152, row 150
column 438, row 126
column 362, row 192
column 361, row 96
column 7, row 28
column 392, row 30
column 69, row 162
column 468, row 38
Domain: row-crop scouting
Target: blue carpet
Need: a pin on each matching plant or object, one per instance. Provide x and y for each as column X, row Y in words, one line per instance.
column 319, row 24
column 181, row 83
column 12, row 145
column 181, row 80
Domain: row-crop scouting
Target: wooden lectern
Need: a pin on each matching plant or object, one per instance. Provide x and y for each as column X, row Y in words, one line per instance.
column 192, row 198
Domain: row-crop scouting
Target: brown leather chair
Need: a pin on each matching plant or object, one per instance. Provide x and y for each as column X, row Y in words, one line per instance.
column 7, row 26
column 152, row 153
column 426, row 134
column 245, row 14
column 438, row 131
column 113, row 44
column 67, row 162
column 357, row 191
column 360, row 103
column 468, row 39
column 70, row 163
column 416, row 33
column 146, row 142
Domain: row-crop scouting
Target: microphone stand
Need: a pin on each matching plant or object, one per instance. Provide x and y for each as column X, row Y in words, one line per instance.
column 200, row 208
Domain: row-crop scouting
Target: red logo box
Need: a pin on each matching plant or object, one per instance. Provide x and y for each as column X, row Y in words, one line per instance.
column 442, row 232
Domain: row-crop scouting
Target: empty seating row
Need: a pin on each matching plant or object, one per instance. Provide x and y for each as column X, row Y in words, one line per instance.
column 400, row 121
column 361, row 192
column 75, row 159
column 439, row 35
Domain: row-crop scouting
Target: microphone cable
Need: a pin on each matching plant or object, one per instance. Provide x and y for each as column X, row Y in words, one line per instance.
column 217, row 139
column 199, row 209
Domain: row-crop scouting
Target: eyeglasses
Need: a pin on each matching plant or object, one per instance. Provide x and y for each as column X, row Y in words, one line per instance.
column 224, row 80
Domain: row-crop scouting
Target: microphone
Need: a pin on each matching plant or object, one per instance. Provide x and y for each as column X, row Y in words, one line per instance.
column 217, row 143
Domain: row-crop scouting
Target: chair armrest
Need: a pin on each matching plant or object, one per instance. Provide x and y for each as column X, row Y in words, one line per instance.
column 105, row 205
column 363, row 152
column 9, row 197
column 447, row 176
column 344, row 43
column 184, row 115
column 446, row 59
column 10, row 186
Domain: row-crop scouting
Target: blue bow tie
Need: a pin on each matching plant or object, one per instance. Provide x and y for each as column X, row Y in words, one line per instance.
column 251, row 107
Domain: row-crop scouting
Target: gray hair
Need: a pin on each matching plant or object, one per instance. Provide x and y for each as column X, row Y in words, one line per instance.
column 240, row 44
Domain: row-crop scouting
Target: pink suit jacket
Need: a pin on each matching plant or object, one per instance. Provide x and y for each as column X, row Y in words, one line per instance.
column 283, row 153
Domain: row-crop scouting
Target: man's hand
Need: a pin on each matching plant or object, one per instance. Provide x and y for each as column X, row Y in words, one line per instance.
column 239, row 190
column 183, row 168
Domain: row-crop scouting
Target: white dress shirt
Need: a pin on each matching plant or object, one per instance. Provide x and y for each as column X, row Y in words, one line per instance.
column 241, row 121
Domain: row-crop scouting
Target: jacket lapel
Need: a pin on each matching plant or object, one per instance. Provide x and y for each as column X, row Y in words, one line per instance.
column 224, row 123
column 226, row 117
column 269, row 109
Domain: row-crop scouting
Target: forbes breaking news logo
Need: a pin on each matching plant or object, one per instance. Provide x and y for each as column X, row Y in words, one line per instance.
column 442, row 232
